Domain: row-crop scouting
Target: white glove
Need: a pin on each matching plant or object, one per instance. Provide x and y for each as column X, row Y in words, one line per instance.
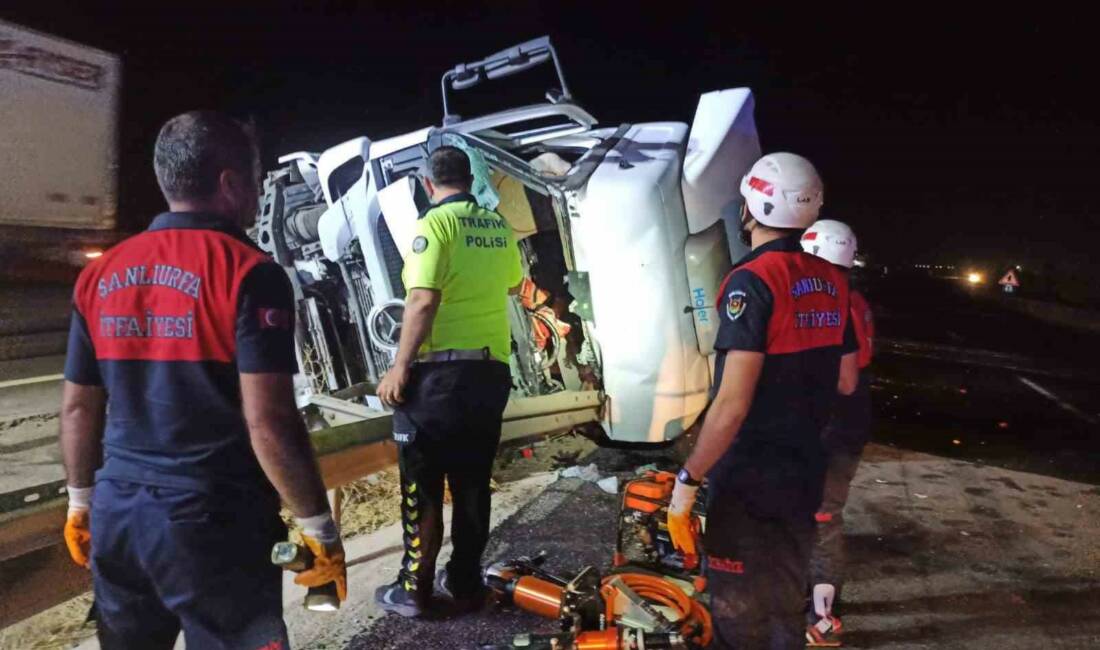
column 320, row 527
column 683, row 498
column 679, row 517
column 80, row 498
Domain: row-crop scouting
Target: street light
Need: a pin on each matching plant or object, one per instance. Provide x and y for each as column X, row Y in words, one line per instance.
column 974, row 278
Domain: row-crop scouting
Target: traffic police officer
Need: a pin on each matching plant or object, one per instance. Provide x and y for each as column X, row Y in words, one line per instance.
column 449, row 384
column 178, row 380
column 848, row 431
column 784, row 329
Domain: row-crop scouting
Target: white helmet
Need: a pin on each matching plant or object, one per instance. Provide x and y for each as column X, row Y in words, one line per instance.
column 832, row 241
column 783, row 190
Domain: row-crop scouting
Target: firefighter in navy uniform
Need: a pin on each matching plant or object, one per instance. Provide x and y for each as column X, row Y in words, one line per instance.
column 848, row 431
column 449, row 385
column 179, row 429
column 785, row 348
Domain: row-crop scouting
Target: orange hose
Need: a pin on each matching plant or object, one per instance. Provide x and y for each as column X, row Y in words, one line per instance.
column 692, row 614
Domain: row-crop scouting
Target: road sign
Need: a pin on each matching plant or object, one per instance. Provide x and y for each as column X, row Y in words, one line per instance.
column 1009, row 279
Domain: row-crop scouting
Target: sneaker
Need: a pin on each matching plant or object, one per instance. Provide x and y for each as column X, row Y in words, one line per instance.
column 394, row 598
column 463, row 604
column 824, row 634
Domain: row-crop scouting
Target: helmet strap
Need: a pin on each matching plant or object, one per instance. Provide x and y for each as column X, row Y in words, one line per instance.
column 748, row 223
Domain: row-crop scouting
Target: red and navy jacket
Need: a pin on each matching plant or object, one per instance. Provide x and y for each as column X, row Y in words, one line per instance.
column 864, row 324
column 165, row 321
column 794, row 308
column 849, row 429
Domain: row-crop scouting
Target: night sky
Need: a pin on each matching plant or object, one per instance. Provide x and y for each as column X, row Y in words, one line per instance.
column 941, row 136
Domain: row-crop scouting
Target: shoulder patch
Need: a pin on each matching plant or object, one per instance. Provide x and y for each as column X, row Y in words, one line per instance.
column 735, row 304
column 420, row 244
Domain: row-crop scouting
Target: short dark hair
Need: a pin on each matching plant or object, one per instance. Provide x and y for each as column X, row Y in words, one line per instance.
column 450, row 166
column 194, row 148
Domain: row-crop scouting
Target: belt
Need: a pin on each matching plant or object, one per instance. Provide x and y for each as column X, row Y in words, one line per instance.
column 482, row 354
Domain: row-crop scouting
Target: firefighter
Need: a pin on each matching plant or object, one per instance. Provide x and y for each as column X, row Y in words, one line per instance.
column 844, row 437
column 179, row 430
column 449, row 385
column 785, row 347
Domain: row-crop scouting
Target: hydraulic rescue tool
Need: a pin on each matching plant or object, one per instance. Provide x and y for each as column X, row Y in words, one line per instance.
column 298, row 558
column 614, row 638
column 619, row 610
column 644, row 541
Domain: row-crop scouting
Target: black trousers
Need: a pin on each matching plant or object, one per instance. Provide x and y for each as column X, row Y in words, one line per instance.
column 848, row 431
column 165, row 559
column 448, row 429
column 757, row 572
column 827, row 565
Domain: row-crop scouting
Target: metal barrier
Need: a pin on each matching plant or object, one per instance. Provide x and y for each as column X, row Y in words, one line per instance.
column 36, row 572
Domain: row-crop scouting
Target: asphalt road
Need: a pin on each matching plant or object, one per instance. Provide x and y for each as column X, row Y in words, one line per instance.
column 979, row 382
column 972, row 520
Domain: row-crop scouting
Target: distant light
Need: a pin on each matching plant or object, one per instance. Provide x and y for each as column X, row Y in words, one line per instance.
column 1019, row 268
column 93, row 254
column 858, row 262
column 974, row 278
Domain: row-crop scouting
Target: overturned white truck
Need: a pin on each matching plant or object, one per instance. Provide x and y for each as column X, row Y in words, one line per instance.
column 625, row 233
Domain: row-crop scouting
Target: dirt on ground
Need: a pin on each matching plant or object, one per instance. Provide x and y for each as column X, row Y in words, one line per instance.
column 57, row 628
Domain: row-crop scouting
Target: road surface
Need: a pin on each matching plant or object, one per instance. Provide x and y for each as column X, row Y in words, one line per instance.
column 972, row 522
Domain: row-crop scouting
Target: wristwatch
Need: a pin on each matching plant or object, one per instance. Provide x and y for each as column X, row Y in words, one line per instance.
column 684, row 476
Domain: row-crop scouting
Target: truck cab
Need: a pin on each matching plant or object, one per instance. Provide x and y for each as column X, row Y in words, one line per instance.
column 625, row 234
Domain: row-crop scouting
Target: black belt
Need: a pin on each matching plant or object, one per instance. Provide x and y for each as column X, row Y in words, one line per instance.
column 482, row 354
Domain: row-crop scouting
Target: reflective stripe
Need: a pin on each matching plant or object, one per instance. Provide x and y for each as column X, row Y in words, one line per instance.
column 456, row 355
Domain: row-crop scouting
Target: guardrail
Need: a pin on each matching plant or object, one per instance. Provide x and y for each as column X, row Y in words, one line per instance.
column 36, row 572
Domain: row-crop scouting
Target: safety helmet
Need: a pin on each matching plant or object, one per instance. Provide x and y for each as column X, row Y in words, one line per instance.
column 783, row 190
column 832, row 241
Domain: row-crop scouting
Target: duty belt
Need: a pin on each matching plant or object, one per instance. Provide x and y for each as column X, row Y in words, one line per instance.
column 482, row 354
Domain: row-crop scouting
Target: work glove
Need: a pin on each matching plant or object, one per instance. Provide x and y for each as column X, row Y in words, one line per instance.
column 78, row 533
column 680, row 527
column 321, row 537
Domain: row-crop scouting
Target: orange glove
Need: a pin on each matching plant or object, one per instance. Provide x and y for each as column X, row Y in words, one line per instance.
column 679, row 518
column 78, row 537
column 328, row 566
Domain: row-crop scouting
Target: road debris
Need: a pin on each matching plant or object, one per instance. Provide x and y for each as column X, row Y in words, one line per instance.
column 590, row 473
column 564, row 459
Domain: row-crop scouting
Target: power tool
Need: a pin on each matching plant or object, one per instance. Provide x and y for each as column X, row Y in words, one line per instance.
column 615, row 638
column 643, row 538
column 298, row 558
column 619, row 608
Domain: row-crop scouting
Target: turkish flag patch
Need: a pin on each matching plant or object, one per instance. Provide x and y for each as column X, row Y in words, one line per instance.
column 271, row 318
